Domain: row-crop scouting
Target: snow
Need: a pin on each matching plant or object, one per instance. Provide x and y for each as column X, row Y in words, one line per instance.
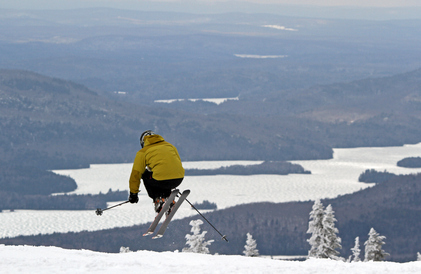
column 254, row 56
column 329, row 179
column 279, row 27
column 217, row 101
column 29, row 259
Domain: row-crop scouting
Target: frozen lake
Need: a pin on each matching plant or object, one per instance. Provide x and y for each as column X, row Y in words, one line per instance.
column 329, row 179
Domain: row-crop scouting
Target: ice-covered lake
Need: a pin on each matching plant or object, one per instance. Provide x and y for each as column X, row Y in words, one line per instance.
column 329, row 179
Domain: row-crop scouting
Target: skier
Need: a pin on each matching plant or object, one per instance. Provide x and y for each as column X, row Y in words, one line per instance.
column 158, row 164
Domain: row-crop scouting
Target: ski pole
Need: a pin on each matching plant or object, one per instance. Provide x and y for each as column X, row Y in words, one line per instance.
column 224, row 237
column 99, row 211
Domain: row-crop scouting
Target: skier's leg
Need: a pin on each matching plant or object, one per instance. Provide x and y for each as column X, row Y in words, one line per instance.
column 151, row 186
column 158, row 191
column 167, row 186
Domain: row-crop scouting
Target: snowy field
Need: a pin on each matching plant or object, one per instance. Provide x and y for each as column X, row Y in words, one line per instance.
column 28, row 259
column 329, row 179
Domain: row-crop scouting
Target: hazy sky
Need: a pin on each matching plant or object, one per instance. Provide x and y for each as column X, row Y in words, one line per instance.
column 40, row 4
column 362, row 3
column 334, row 9
column 376, row 3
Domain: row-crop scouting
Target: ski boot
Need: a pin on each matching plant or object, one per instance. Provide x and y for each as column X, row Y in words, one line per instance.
column 169, row 210
column 158, row 203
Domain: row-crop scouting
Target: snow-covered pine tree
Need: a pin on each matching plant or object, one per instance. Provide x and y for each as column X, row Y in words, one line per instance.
column 356, row 251
column 373, row 247
column 323, row 240
column 418, row 256
column 125, row 249
column 315, row 227
column 251, row 247
column 330, row 240
column 196, row 241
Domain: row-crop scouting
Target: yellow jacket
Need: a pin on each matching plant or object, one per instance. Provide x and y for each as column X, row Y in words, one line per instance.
column 160, row 157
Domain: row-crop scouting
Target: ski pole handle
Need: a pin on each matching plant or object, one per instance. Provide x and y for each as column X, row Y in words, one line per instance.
column 99, row 211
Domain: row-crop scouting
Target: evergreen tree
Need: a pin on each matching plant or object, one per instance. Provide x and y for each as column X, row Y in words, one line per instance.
column 196, row 241
column 373, row 247
column 331, row 241
column 315, row 227
column 125, row 249
column 418, row 256
column 251, row 247
column 323, row 240
column 356, row 251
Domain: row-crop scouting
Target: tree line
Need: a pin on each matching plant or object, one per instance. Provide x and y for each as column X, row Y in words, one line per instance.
column 25, row 187
column 325, row 242
column 28, row 180
column 374, row 176
column 410, row 162
column 267, row 167
column 13, row 200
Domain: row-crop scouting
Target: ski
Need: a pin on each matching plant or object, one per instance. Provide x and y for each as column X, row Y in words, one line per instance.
column 174, row 209
column 164, row 209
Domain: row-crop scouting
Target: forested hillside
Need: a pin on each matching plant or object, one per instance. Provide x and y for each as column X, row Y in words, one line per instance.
column 27, row 187
column 15, row 179
column 51, row 123
column 15, row 200
column 347, row 101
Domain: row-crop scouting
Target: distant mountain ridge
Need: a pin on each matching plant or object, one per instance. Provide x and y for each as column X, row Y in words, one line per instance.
column 398, row 94
column 163, row 55
column 68, row 125
column 53, row 123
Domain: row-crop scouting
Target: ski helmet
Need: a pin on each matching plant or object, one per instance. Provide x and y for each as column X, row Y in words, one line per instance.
column 145, row 133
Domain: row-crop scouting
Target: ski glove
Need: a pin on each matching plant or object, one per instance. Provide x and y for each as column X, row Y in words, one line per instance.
column 133, row 198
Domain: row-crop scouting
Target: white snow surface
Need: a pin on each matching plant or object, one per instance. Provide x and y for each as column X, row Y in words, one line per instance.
column 29, row 259
column 329, row 179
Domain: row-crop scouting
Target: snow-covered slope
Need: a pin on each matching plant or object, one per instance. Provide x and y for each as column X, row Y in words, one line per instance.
column 28, row 259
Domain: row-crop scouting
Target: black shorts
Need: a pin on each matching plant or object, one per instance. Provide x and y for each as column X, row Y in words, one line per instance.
column 159, row 189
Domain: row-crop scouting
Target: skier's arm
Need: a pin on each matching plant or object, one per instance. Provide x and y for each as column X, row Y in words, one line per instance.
column 139, row 166
column 134, row 181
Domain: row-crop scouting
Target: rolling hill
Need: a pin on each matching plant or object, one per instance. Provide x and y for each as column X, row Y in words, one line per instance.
column 52, row 123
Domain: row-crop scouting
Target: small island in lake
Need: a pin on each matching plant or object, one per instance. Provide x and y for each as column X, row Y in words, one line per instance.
column 267, row 167
column 410, row 162
column 373, row 176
